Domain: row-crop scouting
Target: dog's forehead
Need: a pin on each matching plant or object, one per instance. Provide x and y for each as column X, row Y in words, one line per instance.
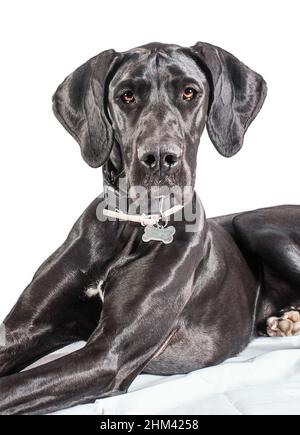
column 146, row 63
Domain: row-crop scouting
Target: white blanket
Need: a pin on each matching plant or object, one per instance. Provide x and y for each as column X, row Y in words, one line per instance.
column 264, row 379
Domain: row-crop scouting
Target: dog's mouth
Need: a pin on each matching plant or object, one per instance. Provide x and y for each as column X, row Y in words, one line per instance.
column 144, row 193
column 174, row 185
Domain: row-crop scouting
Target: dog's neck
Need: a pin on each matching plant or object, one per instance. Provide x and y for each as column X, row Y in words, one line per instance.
column 191, row 216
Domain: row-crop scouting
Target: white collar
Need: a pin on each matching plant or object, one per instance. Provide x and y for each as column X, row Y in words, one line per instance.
column 143, row 219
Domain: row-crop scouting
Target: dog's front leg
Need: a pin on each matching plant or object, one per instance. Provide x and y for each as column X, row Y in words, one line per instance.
column 140, row 312
column 51, row 312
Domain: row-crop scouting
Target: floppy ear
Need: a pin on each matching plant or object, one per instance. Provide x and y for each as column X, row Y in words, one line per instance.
column 238, row 94
column 80, row 105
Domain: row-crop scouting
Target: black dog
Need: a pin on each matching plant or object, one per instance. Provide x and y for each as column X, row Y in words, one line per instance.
column 164, row 308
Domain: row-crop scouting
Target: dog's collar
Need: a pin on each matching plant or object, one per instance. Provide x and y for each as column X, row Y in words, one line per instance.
column 156, row 225
column 143, row 219
column 114, row 197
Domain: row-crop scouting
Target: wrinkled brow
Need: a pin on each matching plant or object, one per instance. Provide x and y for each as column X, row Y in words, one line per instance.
column 186, row 80
column 130, row 84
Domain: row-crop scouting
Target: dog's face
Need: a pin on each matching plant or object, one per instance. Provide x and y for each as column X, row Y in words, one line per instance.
column 158, row 102
column 142, row 112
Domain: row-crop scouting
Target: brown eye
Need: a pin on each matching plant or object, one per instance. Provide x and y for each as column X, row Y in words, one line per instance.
column 128, row 97
column 189, row 94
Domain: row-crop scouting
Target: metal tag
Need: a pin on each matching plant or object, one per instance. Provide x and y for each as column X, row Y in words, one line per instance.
column 160, row 234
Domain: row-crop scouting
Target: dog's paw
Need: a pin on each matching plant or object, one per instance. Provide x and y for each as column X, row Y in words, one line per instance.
column 287, row 325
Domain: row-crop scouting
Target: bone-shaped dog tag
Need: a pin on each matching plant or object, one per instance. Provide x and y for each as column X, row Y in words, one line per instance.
column 160, row 234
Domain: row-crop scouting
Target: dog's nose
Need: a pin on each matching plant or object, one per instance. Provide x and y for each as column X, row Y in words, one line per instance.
column 164, row 160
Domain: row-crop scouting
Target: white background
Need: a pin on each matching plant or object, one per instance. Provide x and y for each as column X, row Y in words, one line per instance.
column 45, row 185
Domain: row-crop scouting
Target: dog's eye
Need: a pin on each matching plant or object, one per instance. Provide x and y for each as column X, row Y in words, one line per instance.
column 128, row 97
column 189, row 94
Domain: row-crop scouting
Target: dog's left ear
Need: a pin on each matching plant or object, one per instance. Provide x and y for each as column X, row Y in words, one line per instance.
column 237, row 95
column 80, row 105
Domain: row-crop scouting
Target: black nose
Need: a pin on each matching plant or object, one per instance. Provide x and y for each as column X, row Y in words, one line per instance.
column 164, row 160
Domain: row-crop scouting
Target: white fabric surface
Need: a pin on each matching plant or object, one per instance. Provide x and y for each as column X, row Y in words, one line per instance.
column 263, row 379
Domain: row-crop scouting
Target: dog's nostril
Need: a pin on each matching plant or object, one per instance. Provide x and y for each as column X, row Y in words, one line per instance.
column 149, row 160
column 170, row 160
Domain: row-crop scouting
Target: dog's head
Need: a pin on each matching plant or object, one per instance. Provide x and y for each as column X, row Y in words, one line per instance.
column 142, row 112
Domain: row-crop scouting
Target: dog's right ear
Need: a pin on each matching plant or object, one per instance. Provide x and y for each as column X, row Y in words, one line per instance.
column 79, row 103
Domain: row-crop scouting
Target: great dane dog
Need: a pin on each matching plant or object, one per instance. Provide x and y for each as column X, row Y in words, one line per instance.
column 150, row 306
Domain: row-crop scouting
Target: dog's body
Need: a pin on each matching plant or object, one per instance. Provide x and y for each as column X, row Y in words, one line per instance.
column 163, row 309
